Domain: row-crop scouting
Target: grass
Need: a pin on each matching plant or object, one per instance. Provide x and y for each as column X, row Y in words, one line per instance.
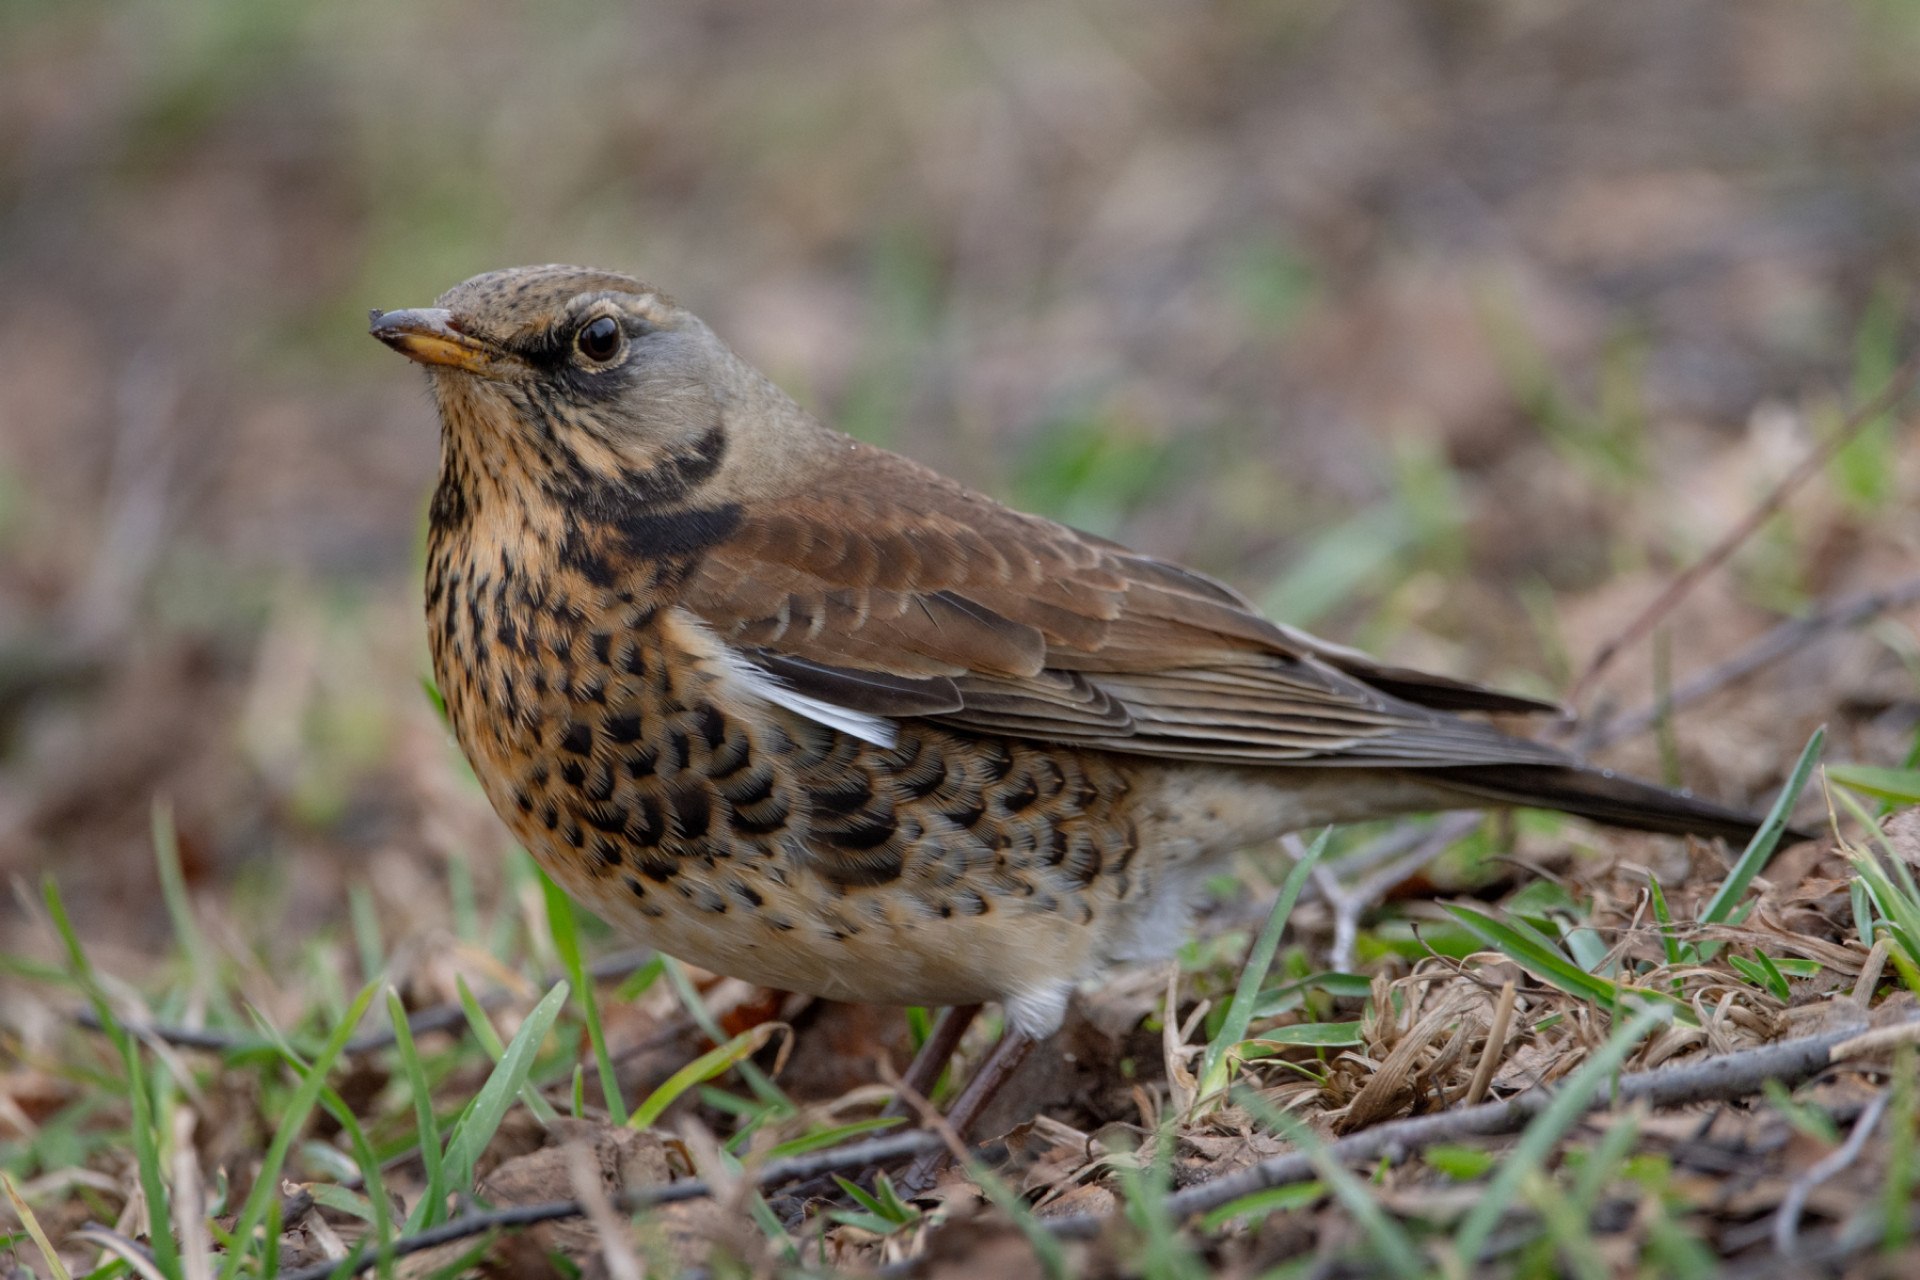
column 404, row 1158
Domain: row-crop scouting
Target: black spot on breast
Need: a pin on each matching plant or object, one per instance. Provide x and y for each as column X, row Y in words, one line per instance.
column 648, row 822
column 868, row 831
column 867, row 854
column 995, row 759
column 573, row 773
column 609, row 530
column 1082, row 862
column 692, row 809
column 450, row 509
column 621, row 729
column 640, row 763
column 762, row 819
column 748, row 789
column 965, row 815
column 611, row 818
column 1019, row 798
column 729, row 758
column 578, row 738
column 657, row 867
column 856, row 793
column 710, row 723
column 925, row 777
column 599, row 787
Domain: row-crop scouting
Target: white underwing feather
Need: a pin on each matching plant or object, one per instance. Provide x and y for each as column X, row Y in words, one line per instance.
column 765, row 686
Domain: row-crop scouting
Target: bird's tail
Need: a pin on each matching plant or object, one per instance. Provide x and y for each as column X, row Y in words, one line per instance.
column 1604, row 796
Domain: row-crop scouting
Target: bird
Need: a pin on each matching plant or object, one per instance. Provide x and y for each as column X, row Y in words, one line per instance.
column 801, row 711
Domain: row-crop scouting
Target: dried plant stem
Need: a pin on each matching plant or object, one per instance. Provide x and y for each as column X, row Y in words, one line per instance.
column 1835, row 615
column 451, row 1016
column 855, row 1155
column 1731, row 1075
column 1895, row 389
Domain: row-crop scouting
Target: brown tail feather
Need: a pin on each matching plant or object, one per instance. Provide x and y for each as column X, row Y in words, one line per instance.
column 1606, row 797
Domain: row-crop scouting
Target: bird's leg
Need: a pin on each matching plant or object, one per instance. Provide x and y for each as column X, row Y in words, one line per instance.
column 924, row 1072
column 993, row 1074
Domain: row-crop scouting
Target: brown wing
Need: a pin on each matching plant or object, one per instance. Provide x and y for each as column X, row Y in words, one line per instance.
column 888, row 589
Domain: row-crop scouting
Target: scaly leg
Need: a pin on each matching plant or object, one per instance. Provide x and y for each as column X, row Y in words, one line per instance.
column 924, row 1072
column 993, row 1074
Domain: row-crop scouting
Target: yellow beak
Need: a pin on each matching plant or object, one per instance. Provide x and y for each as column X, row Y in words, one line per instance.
column 427, row 334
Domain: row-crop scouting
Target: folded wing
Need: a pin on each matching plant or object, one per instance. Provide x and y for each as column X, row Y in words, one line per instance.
column 889, row 590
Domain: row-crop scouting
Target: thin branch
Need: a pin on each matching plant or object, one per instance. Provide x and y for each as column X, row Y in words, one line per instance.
column 1794, row 634
column 1349, row 904
column 1786, row 1222
column 855, row 1155
column 440, row 1017
column 1731, row 1075
column 1896, row 389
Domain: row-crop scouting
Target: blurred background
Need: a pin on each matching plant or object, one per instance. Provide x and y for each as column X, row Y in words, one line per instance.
column 1446, row 327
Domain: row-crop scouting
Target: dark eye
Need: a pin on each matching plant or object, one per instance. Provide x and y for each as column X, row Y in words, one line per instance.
column 599, row 339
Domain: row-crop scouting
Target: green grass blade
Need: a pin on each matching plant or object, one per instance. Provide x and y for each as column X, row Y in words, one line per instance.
column 1546, row 1130
column 566, row 940
column 1766, row 839
column 476, row 1127
column 266, row 1187
column 368, row 1164
column 482, row 1028
column 173, row 892
column 146, row 1136
column 1902, row 786
column 702, row 1069
column 1315, row 1034
column 1262, row 1204
column 831, row 1137
column 56, row 1269
column 433, row 1198
column 1678, row 952
column 1528, row 949
column 1233, row 1029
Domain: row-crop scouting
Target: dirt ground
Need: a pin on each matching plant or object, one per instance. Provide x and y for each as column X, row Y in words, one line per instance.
column 1451, row 329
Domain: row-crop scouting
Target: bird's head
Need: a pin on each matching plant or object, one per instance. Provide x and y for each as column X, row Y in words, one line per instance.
column 581, row 383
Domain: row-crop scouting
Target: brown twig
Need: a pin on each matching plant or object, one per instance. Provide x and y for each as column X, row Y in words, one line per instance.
column 855, row 1155
column 1895, row 389
column 1786, row 1222
column 1496, row 1044
column 1849, row 611
column 450, row 1016
column 1349, row 904
column 1731, row 1075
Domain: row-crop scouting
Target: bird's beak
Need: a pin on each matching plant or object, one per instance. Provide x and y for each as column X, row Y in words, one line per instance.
column 427, row 334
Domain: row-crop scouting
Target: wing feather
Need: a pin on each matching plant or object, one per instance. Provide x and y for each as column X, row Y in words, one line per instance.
column 881, row 587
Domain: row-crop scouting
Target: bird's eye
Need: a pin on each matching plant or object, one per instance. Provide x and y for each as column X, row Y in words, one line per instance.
column 599, row 339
